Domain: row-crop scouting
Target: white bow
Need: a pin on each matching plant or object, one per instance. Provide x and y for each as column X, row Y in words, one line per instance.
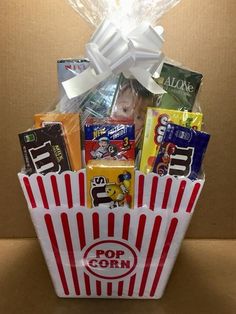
column 137, row 55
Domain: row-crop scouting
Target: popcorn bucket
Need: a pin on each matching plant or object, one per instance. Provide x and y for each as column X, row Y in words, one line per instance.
column 110, row 253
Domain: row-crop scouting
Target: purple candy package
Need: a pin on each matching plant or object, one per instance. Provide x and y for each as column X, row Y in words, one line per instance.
column 181, row 152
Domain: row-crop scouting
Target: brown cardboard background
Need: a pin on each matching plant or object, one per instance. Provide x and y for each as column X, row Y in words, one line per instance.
column 200, row 34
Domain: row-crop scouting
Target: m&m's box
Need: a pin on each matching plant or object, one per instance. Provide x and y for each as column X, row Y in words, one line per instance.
column 156, row 122
column 181, row 152
column 110, row 183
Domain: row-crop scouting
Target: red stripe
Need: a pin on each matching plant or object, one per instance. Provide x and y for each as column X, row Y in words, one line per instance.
column 193, row 197
column 111, row 222
column 55, row 190
column 131, row 285
column 96, row 232
column 98, row 287
column 87, row 284
column 141, row 225
column 140, row 190
column 179, row 196
column 80, row 224
column 126, row 223
column 70, row 251
column 81, row 189
column 166, row 193
column 164, row 254
column 120, row 288
column 153, row 192
column 56, row 252
column 68, row 191
column 151, row 249
column 42, row 192
column 109, row 288
column 29, row 192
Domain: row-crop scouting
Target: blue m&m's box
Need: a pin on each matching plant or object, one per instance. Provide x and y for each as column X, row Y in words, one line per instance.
column 181, row 152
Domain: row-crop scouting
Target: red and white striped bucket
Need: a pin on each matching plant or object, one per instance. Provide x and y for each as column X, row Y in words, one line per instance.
column 110, row 253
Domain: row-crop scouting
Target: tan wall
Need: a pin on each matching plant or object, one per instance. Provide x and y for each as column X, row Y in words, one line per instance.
column 200, row 34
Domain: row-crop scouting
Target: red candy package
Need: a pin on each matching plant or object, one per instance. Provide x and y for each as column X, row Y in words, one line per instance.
column 109, row 139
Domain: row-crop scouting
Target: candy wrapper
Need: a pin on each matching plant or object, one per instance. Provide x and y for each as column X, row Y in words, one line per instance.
column 108, row 229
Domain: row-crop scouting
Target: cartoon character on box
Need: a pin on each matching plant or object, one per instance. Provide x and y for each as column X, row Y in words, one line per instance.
column 167, row 151
column 110, row 183
column 112, row 194
column 109, row 140
column 105, row 150
column 119, row 192
column 102, row 150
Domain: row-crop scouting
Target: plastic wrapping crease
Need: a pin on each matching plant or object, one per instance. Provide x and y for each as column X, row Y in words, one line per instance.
column 125, row 41
column 103, row 252
column 137, row 55
column 124, row 14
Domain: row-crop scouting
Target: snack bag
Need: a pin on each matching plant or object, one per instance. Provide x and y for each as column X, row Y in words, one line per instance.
column 109, row 139
column 70, row 123
column 181, row 152
column 156, row 122
column 110, row 183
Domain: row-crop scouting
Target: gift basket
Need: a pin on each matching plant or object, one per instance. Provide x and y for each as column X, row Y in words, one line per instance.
column 113, row 172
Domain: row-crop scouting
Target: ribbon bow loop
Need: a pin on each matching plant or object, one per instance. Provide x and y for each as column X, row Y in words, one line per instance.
column 137, row 55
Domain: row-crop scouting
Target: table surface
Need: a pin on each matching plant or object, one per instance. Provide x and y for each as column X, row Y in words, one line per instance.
column 203, row 281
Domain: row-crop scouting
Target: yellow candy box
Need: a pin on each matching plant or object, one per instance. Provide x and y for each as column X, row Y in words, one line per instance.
column 156, row 121
column 110, row 183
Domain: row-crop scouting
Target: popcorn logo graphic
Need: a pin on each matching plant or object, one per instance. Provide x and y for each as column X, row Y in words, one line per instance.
column 110, row 259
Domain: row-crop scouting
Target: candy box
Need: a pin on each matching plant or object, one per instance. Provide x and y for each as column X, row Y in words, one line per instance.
column 182, row 87
column 70, row 123
column 109, row 139
column 44, row 150
column 181, row 152
column 110, row 183
column 156, row 122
